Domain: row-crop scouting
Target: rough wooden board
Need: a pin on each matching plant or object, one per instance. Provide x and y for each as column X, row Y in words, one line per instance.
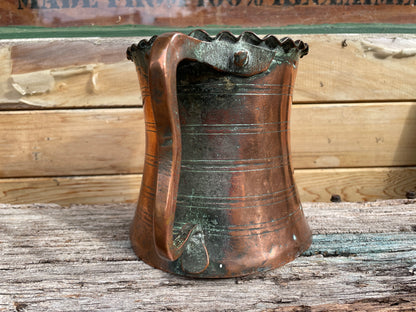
column 94, row 71
column 402, row 303
column 352, row 67
column 69, row 190
column 67, row 73
column 355, row 184
column 354, row 135
column 381, row 216
column 60, row 13
column 71, row 142
column 111, row 141
column 313, row 185
column 78, row 258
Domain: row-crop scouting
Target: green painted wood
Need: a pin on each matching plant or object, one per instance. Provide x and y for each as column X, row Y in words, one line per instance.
column 25, row 32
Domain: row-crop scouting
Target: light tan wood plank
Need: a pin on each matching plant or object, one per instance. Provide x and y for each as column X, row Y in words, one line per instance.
column 111, row 141
column 71, row 190
column 348, row 67
column 355, row 184
column 354, row 135
column 71, row 142
column 317, row 185
column 52, row 73
column 29, row 55
column 94, row 71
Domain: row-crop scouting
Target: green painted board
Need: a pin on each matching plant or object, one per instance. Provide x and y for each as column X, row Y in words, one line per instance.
column 25, row 32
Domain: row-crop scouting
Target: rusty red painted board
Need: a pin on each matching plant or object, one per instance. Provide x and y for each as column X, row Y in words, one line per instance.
column 180, row 13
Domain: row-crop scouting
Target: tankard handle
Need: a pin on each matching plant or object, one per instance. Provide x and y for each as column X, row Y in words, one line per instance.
column 167, row 52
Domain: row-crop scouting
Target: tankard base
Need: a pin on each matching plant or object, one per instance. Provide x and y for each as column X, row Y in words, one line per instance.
column 260, row 254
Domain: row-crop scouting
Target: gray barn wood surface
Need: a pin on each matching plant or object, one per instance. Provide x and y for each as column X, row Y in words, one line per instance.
column 78, row 258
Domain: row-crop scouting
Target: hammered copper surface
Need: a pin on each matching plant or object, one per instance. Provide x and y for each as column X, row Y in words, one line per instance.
column 218, row 198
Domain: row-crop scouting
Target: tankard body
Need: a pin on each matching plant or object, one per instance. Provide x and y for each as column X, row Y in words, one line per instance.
column 218, row 197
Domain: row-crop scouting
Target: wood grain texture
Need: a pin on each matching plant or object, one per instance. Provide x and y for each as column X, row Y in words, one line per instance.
column 93, row 72
column 354, row 135
column 79, row 258
column 111, row 141
column 314, row 185
column 69, row 190
column 355, row 184
column 402, row 303
column 71, row 142
column 349, row 67
column 58, row 13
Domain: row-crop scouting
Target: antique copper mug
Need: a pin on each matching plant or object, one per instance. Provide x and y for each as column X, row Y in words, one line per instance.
column 218, row 197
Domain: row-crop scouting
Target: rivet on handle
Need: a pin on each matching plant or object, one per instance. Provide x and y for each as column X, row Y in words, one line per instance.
column 241, row 58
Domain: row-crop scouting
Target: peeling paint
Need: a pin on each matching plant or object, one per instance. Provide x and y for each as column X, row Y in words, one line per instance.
column 44, row 81
column 72, row 71
column 394, row 47
column 33, row 83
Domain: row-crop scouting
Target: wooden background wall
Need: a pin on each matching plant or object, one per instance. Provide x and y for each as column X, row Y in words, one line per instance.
column 72, row 125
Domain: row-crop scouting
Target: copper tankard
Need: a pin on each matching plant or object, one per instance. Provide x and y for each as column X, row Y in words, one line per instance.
column 218, row 197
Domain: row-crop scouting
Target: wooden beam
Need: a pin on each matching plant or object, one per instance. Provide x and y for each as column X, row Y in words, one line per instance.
column 354, row 135
column 339, row 68
column 71, row 190
column 314, row 185
column 79, row 258
column 349, row 68
column 60, row 13
column 111, row 141
column 355, row 184
column 71, row 142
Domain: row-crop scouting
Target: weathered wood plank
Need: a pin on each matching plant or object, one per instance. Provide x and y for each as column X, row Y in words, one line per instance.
column 386, row 304
column 111, row 141
column 381, row 216
column 60, row 13
column 313, row 185
column 355, row 184
column 71, row 142
column 69, row 190
column 79, row 258
column 354, row 135
column 357, row 68
column 52, row 72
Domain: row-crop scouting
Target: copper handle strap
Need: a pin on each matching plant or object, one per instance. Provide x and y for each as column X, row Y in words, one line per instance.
column 167, row 52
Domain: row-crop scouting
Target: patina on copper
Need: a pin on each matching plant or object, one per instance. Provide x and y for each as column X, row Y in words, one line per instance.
column 218, row 197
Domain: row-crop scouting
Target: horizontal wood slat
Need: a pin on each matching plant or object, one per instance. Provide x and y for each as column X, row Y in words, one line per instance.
column 70, row 190
column 355, row 184
column 72, row 153
column 79, row 258
column 357, row 68
column 354, row 135
column 93, row 72
column 111, row 141
column 64, row 13
column 71, row 142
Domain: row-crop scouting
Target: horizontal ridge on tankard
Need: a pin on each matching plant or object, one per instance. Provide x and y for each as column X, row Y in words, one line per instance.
column 218, row 197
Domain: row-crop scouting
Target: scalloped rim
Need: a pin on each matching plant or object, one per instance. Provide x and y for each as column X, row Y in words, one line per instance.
column 269, row 41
